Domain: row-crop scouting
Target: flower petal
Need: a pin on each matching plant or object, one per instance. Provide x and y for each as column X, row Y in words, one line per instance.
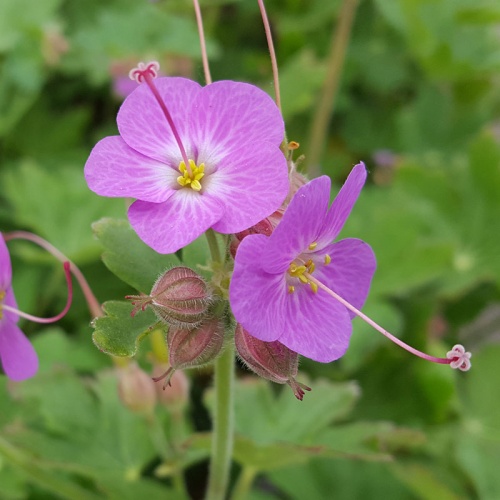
column 19, row 359
column 257, row 298
column 169, row 226
column 115, row 169
column 342, row 205
column 350, row 271
column 143, row 125
column 300, row 225
column 231, row 119
column 5, row 266
column 251, row 186
column 316, row 325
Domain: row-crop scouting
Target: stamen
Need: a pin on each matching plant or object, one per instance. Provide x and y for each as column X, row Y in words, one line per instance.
column 291, row 289
column 293, row 145
column 328, row 259
column 147, row 73
column 272, row 53
column 192, row 178
column 312, row 246
column 36, row 319
column 456, row 358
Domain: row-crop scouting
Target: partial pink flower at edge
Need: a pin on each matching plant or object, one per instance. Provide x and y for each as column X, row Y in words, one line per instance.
column 18, row 357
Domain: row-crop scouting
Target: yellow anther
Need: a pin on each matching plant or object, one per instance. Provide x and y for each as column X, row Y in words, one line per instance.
column 311, row 267
column 192, row 176
column 293, row 145
column 328, row 259
column 313, row 245
column 302, row 278
column 314, row 287
column 291, row 289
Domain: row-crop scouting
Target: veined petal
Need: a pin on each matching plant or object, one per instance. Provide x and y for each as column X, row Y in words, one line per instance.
column 251, row 186
column 316, row 325
column 258, row 299
column 19, row 359
column 5, row 266
column 350, row 271
column 300, row 225
column 229, row 117
column 169, row 226
column 143, row 126
column 115, row 169
column 342, row 205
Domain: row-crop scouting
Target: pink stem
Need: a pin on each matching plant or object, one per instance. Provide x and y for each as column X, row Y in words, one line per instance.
column 204, row 57
column 272, row 53
column 148, row 78
column 36, row 319
column 92, row 302
column 444, row 361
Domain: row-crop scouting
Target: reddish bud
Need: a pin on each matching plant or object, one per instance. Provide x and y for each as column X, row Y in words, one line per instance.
column 191, row 348
column 270, row 360
column 136, row 389
column 180, row 297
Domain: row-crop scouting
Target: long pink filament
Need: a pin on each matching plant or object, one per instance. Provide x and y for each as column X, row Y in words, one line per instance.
column 203, row 46
column 444, row 361
column 92, row 302
column 272, row 53
column 36, row 319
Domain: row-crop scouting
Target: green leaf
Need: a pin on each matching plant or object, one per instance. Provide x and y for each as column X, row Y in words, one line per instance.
column 127, row 256
column 118, row 333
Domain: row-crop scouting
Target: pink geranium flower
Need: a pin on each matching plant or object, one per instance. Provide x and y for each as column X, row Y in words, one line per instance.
column 19, row 359
column 219, row 166
column 271, row 293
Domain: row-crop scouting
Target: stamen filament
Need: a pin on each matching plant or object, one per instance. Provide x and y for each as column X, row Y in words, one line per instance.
column 148, row 77
column 36, row 319
column 272, row 53
column 204, row 57
column 92, row 303
column 416, row 352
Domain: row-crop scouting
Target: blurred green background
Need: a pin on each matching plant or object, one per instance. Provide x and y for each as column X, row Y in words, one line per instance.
column 418, row 101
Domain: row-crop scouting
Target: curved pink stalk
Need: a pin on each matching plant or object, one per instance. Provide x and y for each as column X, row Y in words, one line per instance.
column 92, row 302
column 36, row 319
column 272, row 53
column 201, row 33
column 457, row 357
column 147, row 73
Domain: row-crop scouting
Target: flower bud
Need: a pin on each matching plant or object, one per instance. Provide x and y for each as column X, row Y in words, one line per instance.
column 192, row 348
column 270, row 360
column 175, row 397
column 180, row 297
column 136, row 389
column 262, row 227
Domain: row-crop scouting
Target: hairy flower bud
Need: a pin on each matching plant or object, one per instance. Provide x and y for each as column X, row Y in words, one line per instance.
column 270, row 360
column 136, row 389
column 180, row 297
column 175, row 397
column 191, row 348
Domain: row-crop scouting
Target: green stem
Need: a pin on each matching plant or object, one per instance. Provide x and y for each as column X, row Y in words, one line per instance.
column 61, row 488
column 213, row 245
column 222, row 437
column 335, row 61
column 244, row 483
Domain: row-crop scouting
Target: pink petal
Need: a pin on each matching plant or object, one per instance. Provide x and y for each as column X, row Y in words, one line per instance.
column 251, row 186
column 169, row 226
column 350, row 271
column 343, row 203
column 115, row 169
column 257, row 297
column 300, row 225
column 232, row 119
column 143, row 126
column 316, row 325
column 19, row 359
